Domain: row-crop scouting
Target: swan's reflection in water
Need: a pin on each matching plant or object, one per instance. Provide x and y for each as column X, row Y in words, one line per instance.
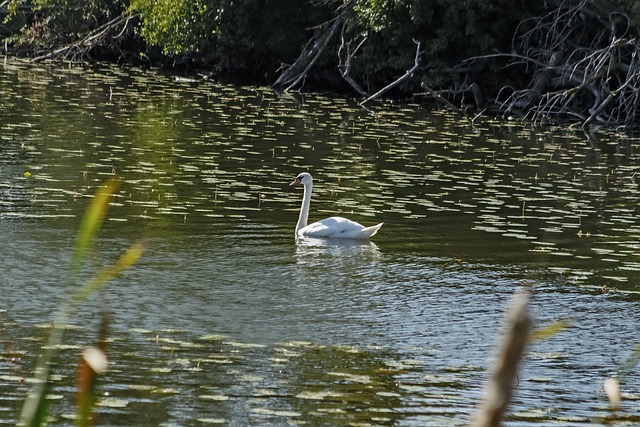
column 339, row 282
column 313, row 251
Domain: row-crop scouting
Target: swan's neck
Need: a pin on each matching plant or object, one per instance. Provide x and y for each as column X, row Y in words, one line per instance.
column 304, row 210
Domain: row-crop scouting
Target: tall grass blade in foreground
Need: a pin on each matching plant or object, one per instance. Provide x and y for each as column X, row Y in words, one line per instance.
column 549, row 330
column 34, row 410
column 91, row 223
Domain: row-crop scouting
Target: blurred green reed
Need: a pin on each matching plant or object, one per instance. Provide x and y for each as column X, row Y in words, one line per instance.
column 93, row 360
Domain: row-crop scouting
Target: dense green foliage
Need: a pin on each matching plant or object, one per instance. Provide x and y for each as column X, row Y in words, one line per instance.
column 177, row 26
column 248, row 38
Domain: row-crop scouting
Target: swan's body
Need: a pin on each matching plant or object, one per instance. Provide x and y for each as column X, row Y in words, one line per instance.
column 335, row 227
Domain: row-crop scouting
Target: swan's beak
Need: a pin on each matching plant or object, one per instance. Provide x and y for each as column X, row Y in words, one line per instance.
column 295, row 181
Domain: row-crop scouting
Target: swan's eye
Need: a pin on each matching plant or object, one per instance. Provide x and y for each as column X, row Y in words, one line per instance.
column 299, row 178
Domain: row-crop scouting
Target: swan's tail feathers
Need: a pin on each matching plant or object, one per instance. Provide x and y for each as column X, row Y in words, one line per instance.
column 370, row 231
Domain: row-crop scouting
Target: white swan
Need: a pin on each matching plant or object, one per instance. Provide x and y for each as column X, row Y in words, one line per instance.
column 334, row 227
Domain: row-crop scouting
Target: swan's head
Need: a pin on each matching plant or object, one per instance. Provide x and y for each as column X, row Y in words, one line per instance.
column 304, row 178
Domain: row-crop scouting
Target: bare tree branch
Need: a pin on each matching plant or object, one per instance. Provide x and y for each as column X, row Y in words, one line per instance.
column 407, row 75
column 295, row 73
column 344, row 64
column 599, row 81
column 441, row 99
column 97, row 37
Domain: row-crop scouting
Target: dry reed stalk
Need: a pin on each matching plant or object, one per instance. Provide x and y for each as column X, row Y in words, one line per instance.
column 499, row 391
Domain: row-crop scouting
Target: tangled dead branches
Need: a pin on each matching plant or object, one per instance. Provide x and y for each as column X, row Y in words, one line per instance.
column 294, row 74
column 105, row 35
column 583, row 67
column 574, row 61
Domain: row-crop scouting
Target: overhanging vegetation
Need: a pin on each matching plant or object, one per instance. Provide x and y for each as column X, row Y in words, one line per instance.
column 571, row 59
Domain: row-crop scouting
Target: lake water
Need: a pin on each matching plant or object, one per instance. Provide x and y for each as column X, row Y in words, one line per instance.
column 228, row 320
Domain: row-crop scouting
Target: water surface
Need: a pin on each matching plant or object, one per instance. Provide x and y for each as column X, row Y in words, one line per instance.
column 227, row 320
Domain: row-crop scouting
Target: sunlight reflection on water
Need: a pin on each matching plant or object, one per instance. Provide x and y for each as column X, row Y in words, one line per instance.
column 226, row 318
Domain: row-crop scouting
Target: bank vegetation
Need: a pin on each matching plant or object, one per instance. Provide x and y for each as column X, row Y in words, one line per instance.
column 546, row 61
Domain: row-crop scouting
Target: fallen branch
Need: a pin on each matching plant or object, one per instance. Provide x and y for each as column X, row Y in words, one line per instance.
column 295, row 73
column 604, row 104
column 407, row 75
column 473, row 88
